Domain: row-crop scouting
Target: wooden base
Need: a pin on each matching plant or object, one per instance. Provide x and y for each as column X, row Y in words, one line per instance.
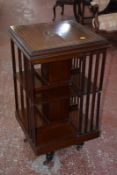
column 58, row 84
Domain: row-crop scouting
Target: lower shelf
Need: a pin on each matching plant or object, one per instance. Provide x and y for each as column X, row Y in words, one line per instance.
column 55, row 132
column 52, row 136
column 64, row 142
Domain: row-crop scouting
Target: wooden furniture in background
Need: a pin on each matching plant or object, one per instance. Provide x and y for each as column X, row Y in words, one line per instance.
column 76, row 5
column 58, row 74
column 85, row 4
column 61, row 3
column 112, row 6
column 80, row 8
column 108, row 6
column 105, row 20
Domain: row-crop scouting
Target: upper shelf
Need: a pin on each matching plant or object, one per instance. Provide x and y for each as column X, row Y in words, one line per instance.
column 46, row 91
column 55, row 38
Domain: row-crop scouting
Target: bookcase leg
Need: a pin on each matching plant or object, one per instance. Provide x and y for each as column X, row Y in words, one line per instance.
column 49, row 157
column 79, row 146
column 25, row 140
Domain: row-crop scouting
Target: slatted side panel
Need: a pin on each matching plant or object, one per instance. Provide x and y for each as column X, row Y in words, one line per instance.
column 18, row 67
column 22, row 85
column 76, row 65
column 91, row 72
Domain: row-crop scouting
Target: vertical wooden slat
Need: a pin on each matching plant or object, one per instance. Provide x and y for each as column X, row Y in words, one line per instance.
column 14, row 73
column 29, row 88
column 21, row 80
column 88, row 91
column 98, row 110
column 32, row 99
column 26, row 85
column 82, row 75
column 94, row 90
column 75, row 65
column 102, row 70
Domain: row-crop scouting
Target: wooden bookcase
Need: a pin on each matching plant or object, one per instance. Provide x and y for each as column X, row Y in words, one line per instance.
column 58, row 71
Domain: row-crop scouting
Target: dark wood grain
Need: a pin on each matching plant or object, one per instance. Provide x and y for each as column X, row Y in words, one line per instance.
column 59, row 101
column 45, row 38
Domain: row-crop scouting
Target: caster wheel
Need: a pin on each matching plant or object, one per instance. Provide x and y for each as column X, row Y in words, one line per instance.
column 79, row 146
column 49, row 158
column 25, row 140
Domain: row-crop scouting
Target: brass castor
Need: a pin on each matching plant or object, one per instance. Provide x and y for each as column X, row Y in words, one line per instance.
column 49, row 157
column 25, row 140
column 79, row 146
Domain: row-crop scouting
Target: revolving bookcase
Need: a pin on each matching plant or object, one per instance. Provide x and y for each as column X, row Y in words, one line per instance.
column 58, row 71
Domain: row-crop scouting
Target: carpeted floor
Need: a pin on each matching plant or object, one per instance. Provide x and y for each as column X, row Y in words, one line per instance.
column 99, row 156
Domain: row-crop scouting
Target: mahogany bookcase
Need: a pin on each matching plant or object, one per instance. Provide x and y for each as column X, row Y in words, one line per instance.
column 58, row 71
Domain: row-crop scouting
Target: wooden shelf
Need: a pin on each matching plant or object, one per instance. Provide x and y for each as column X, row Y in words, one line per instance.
column 55, row 132
column 40, row 83
column 55, row 94
column 72, row 87
column 88, row 87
